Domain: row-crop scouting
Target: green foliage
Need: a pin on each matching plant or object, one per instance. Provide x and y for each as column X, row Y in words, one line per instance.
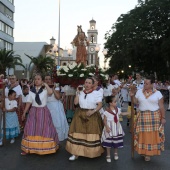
column 141, row 39
column 9, row 60
column 42, row 64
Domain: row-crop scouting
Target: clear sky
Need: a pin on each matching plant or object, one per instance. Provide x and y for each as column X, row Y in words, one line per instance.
column 37, row 20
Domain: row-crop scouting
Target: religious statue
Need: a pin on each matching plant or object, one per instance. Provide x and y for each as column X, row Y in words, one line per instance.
column 81, row 42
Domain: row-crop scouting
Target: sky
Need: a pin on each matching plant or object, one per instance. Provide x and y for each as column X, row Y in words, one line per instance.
column 37, row 20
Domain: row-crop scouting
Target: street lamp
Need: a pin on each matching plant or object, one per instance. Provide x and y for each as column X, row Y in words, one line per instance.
column 105, row 53
column 69, row 52
column 97, row 49
column 23, row 73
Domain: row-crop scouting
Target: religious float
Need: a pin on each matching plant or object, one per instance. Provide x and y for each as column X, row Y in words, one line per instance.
column 70, row 76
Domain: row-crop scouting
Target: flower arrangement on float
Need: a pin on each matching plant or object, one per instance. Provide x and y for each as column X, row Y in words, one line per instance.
column 74, row 74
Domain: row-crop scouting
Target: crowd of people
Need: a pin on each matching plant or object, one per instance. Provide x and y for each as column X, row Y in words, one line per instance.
column 35, row 109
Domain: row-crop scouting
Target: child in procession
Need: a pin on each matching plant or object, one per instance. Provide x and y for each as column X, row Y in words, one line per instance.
column 12, row 123
column 112, row 136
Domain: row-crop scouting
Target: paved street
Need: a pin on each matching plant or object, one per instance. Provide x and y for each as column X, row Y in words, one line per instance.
column 10, row 158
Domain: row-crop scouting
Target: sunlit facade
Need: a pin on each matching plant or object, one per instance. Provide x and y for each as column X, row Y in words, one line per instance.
column 7, row 10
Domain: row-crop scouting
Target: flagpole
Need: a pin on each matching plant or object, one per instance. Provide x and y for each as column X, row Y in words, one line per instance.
column 58, row 63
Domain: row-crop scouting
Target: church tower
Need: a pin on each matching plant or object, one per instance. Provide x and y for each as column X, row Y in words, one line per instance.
column 92, row 37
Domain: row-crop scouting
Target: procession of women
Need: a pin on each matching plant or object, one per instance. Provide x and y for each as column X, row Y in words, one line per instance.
column 35, row 111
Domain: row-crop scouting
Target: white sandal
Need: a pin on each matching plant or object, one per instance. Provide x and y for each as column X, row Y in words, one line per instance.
column 108, row 159
column 116, row 157
column 73, row 158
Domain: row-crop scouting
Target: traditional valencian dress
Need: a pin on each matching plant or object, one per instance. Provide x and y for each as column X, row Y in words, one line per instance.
column 115, row 137
column 40, row 136
column 149, row 133
column 58, row 116
column 85, row 131
column 12, row 124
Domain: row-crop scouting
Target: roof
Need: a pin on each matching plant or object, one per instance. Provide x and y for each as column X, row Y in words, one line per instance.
column 92, row 21
column 31, row 48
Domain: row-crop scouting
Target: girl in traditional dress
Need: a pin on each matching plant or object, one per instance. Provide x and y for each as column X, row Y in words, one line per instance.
column 12, row 124
column 14, row 85
column 57, row 111
column 112, row 136
column 86, row 126
column 40, row 136
column 149, row 135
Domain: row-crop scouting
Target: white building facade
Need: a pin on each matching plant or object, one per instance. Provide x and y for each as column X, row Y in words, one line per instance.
column 7, row 10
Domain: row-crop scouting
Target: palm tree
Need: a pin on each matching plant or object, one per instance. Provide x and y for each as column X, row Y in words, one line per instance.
column 9, row 60
column 42, row 64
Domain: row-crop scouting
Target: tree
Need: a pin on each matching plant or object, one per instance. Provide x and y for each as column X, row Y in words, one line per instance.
column 141, row 39
column 9, row 60
column 41, row 64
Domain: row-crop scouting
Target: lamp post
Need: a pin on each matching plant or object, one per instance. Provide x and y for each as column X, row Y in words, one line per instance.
column 97, row 49
column 69, row 52
column 23, row 73
column 54, row 50
column 105, row 53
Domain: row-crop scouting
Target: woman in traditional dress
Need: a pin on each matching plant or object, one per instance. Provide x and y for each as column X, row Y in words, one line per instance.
column 149, row 126
column 40, row 136
column 86, row 127
column 14, row 85
column 96, row 86
column 57, row 110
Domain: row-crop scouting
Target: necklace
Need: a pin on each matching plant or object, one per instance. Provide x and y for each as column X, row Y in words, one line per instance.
column 148, row 93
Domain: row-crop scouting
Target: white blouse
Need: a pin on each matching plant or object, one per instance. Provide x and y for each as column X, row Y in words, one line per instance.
column 52, row 97
column 24, row 98
column 151, row 103
column 110, row 117
column 43, row 97
column 140, row 85
column 17, row 89
column 91, row 100
column 108, row 91
column 10, row 104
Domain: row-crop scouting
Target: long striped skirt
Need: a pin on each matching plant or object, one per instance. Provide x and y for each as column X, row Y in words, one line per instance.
column 40, row 136
column 84, row 134
column 114, row 139
column 149, row 135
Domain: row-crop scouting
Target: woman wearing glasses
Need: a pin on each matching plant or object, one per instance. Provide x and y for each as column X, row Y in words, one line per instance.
column 86, row 127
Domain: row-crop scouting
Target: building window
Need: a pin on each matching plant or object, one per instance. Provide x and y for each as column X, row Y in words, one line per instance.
column 1, row 26
column 8, row 46
column 9, row 13
column 11, row 1
column 5, row 28
column 6, row 11
column 8, row 30
column 91, row 58
column 92, row 39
